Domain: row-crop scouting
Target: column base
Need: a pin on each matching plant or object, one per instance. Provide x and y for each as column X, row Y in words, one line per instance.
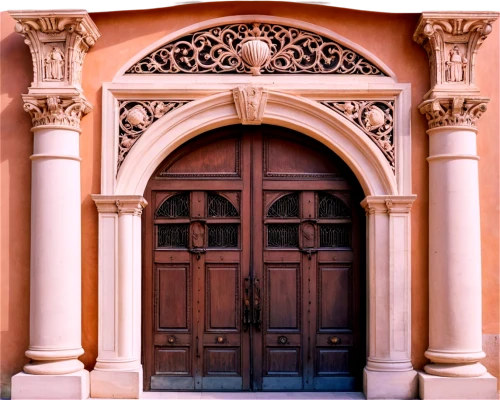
column 390, row 385
column 116, row 384
column 440, row 387
column 69, row 386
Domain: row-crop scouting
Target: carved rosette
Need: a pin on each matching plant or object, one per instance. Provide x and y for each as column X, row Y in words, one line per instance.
column 457, row 111
column 375, row 118
column 250, row 102
column 58, row 43
column 452, row 41
column 56, row 110
column 136, row 116
column 254, row 48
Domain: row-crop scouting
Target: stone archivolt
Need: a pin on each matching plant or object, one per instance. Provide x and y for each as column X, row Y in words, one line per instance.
column 457, row 111
column 375, row 118
column 136, row 116
column 254, row 48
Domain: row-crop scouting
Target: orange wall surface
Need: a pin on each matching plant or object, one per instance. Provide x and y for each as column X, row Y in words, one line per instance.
column 124, row 34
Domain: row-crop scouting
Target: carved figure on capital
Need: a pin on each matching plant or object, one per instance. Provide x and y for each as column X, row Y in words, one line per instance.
column 54, row 64
column 455, row 67
column 250, row 102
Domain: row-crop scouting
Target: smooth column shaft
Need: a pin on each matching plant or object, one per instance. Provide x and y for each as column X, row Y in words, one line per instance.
column 455, row 331
column 55, row 308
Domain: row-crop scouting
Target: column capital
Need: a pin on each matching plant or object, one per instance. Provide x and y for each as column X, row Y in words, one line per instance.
column 452, row 40
column 388, row 204
column 454, row 111
column 56, row 110
column 120, row 204
column 58, row 42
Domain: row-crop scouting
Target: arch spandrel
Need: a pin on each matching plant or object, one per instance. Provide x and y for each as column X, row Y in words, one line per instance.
column 310, row 118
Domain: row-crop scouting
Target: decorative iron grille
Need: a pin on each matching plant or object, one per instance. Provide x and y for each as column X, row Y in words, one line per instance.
column 222, row 235
column 330, row 206
column 283, row 235
column 174, row 207
column 335, row 235
column 220, row 207
column 170, row 235
column 285, row 207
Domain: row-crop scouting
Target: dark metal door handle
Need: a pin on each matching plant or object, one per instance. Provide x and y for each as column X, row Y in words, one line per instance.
column 257, row 309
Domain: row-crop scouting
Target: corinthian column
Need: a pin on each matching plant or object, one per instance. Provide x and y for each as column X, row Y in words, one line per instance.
column 453, row 107
column 58, row 42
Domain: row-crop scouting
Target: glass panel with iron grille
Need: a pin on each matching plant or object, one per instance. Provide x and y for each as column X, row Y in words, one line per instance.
column 222, row 235
column 285, row 207
column 283, row 235
column 173, row 235
column 220, row 207
column 330, row 206
column 335, row 235
column 174, row 207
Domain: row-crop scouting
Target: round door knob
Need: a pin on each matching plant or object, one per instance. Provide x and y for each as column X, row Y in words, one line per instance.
column 171, row 339
column 220, row 339
column 334, row 340
column 282, row 340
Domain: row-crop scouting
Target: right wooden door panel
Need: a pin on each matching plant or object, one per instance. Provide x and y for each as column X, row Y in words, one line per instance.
column 252, row 267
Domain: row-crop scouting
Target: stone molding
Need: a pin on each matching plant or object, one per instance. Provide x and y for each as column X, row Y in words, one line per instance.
column 456, row 111
column 58, row 41
column 65, row 111
column 128, row 204
column 388, row 204
column 451, row 40
column 250, row 102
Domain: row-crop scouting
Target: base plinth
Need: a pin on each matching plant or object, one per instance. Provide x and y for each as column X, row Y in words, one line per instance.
column 390, row 385
column 439, row 387
column 116, row 384
column 69, row 386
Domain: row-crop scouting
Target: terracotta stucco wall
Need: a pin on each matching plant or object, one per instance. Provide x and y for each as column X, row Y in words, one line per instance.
column 124, row 34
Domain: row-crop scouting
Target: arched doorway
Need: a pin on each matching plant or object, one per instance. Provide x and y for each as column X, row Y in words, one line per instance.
column 253, row 268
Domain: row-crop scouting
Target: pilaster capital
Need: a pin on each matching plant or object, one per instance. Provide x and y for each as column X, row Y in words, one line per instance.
column 452, row 40
column 121, row 204
column 58, row 42
column 388, row 204
column 56, row 110
column 455, row 111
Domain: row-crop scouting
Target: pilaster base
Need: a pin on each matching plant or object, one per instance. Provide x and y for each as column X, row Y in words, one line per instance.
column 390, row 385
column 116, row 384
column 439, row 387
column 69, row 386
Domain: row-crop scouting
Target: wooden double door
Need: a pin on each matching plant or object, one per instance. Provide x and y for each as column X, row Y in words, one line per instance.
column 252, row 270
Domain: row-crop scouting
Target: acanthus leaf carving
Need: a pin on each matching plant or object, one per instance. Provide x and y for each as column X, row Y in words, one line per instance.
column 457, row 111
column 56, row 110
column 254, row 48
column 136, row 116
column 375, row 118
column 250, row 102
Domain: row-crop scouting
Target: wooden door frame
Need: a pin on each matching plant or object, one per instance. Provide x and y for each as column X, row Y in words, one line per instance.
column 202, row 105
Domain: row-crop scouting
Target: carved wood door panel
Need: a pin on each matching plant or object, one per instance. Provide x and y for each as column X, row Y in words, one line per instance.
column 251, row 267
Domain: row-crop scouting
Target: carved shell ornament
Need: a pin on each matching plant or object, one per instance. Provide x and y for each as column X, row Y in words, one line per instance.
column 257, row 48
column 375, row 118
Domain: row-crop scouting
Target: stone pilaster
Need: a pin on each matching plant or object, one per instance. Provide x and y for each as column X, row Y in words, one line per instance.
column 452, row 108
column 58, row 41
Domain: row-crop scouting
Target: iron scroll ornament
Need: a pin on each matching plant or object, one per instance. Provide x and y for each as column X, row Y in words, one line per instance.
column 275, row 49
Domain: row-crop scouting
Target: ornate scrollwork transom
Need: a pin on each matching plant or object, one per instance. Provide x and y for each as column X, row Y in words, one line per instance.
column 254, row 48
column 375, row 118
column 136, row 116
